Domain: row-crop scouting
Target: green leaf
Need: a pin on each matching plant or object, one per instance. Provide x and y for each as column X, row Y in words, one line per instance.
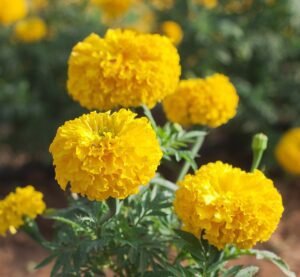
column 46, row 261
column 188, row 237
column 247, row 272
column 276, row 260
column 232, row 271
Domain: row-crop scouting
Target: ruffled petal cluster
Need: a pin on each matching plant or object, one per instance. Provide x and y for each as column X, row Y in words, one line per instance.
column 123, row 69
column 231, row 206
column 24, row 202
column 105, row 155
column 32, row 29
column 173, row 31
column 212, row 101
column 113, row 8
column 12, row 10
column 288, row 151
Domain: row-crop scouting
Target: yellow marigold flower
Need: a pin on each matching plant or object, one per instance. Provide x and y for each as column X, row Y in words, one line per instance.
column 24, row 202
column 230, row 205
column 173, row 31
column 113, row 8
column 30, row 30
column 124, row 68
column 105, row 155
column 12, row 10
column 209, row 4
column 211, row 101
column 287, row 151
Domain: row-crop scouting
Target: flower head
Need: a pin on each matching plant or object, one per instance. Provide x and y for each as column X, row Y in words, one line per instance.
column 124, row 68
column 172, row 30
column 211, row 101
column 24, row 202
column 31, row 29
column 105, row 155
column 113, row 8
column 12, row 10
column 288, row 151
column 231, row 206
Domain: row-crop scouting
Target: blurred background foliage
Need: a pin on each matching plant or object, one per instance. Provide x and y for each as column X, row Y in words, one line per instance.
column 255, row 42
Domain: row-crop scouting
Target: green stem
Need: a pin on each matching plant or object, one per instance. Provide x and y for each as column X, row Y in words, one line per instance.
column 194, row 152
column 148, row 113
column 112, row 205
column 31, row 228
column 165, row 183
column 256, row 160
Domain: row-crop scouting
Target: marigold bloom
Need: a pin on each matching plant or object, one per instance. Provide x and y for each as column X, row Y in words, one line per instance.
column 24, row 202
column 211, row 101
column 124, row 68
column 113, row 8
column 105, row 155
column 12, row 10
column 173, row 31
column 30, row 30
column 231, row 206
column 287, row 151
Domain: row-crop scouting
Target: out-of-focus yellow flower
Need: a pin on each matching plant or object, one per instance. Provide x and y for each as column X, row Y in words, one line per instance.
column 12, row 10
column 173, row 31
column 124, row 68
column 162, row 4
column 231, row 206
column 145, row 19
column 211, row 101
column 114, row 8
column 31, row 29
column 37, row 5
column 238, row 6
column 24, row 202
column 209, row 4
column 105, row 155
column 288, row 151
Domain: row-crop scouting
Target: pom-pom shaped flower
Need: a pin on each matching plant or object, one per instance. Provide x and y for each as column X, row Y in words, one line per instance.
column 124, row 68
column 12, row 10
column 113, row 8
column 25, row 202
column 31, row 29
column 211, row 101
column 173, row 31
column 105, row 155
column 288, row 151
column 229, row 205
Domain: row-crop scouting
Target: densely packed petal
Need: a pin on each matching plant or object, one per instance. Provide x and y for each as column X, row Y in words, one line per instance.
column 123, row 69
column 105, row 155
column 212, row 101
column 24, row 202
column 231, row 206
